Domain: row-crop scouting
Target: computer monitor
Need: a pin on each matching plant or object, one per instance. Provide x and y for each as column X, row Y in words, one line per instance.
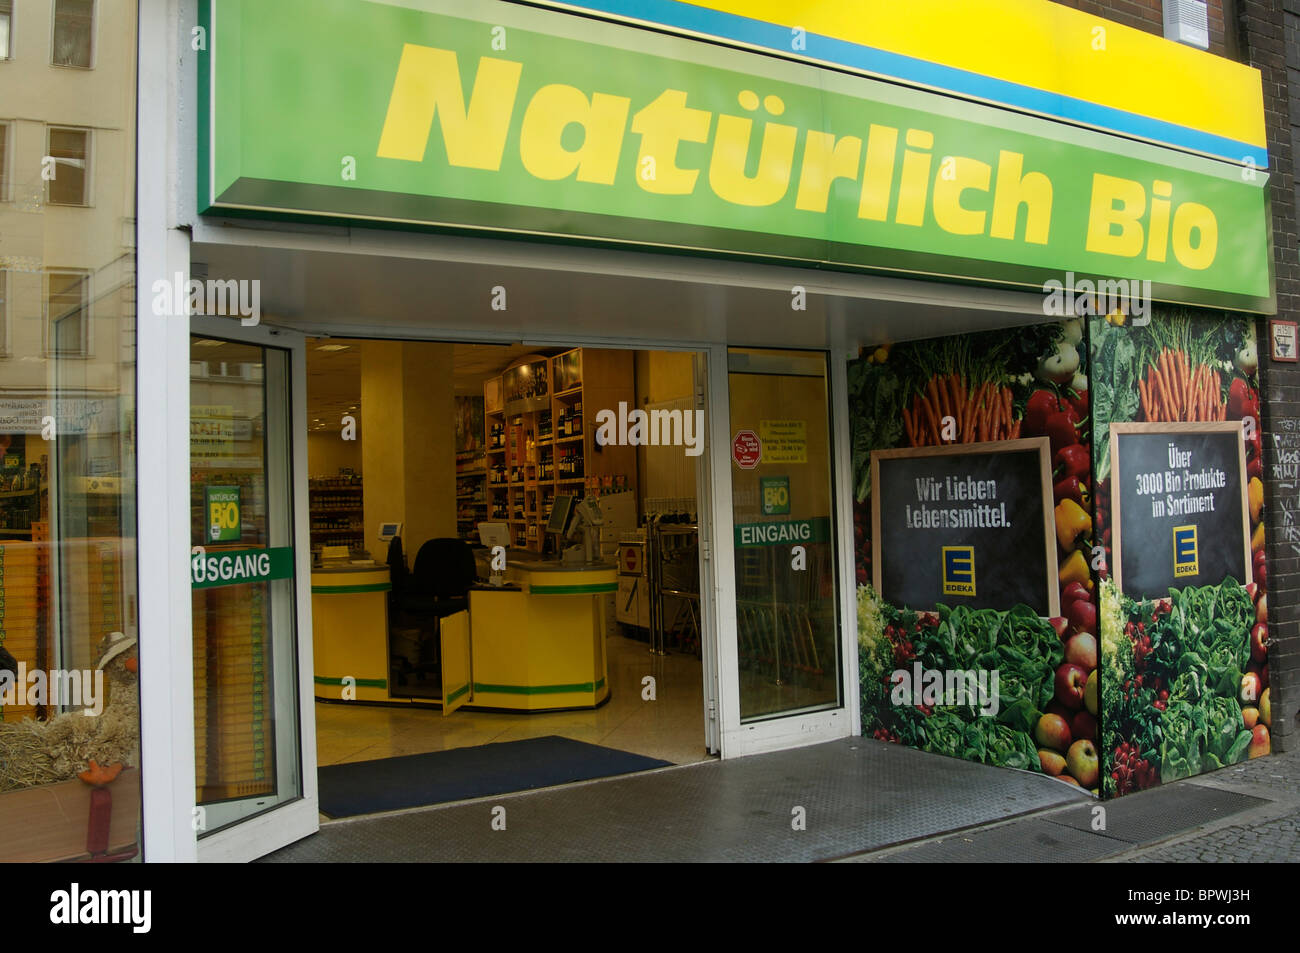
column 494, row 534
column 389, row 531
column 561, row 513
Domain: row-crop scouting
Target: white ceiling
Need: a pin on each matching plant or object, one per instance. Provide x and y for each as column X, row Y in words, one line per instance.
column 370, row 282
column 334, row 376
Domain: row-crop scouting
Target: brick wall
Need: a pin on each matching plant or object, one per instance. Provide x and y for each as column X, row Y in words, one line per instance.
column 1270, row 41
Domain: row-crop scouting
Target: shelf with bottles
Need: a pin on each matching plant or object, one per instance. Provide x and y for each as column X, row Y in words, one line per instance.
column 471, row 462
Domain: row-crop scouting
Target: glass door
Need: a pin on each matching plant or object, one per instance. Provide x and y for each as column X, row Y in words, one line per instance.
column 250, row 711
column 787, row 627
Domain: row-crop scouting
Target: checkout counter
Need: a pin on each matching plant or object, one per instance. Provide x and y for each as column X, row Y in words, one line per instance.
column 538, row 641
column 535, row 641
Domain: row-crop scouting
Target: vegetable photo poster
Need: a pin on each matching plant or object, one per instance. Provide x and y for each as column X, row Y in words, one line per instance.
column 1179, row 507
column 1007, row 678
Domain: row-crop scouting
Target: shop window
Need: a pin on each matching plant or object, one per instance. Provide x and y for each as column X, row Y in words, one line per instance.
column 67, row 314
column 74, row 30
column 70, row 151
column 6, row 28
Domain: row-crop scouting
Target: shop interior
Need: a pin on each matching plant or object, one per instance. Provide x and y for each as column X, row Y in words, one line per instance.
column 423, row 457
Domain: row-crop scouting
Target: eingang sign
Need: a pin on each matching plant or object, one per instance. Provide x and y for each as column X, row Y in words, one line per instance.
column 514, row 119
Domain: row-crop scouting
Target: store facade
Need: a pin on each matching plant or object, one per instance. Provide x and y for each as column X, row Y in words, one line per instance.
column 783, row 202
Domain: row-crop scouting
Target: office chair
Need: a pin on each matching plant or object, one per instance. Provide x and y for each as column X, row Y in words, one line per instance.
column 443, row 573
column 437, row 586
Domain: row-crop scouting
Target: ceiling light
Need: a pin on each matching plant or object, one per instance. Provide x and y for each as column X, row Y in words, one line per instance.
column 333, row 347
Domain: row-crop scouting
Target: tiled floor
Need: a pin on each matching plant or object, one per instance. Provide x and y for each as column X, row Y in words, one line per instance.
column 671, row 727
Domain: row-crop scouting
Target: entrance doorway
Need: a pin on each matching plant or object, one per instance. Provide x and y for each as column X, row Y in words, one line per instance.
column 507, row 566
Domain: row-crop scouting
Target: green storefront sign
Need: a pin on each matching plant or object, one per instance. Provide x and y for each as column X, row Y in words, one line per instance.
column 496, row 116
column 786, row 533
column 235, row 567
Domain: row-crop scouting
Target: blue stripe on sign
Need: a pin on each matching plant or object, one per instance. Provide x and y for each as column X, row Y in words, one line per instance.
column 685, row 16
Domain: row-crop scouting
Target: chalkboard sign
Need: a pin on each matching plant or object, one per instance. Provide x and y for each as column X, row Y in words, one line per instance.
column 965, row 525
column 1180, row 515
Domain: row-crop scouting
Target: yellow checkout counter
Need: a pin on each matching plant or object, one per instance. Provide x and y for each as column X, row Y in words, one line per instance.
column 536, row 643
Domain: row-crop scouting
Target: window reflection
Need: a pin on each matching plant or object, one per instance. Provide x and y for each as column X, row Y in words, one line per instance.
column 68, row 638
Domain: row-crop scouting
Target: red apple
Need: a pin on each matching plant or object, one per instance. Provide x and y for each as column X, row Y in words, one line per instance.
column 1072, row 592
column 1053, row 762
column 1056, row 708
column 1053, row 731
column 1081, row 650
column 1068, row 780
column 1081, row 762
column 1250, row 716
column 1061, row 624
column 1252, row 590
column 1082, row 615
column 1250, row 688
column 1083, row 725
column 1259, row 642
column 1260, row 669
column 1090, row 692
column 1261, row 610
column 1259, row 742
column 1071, row 681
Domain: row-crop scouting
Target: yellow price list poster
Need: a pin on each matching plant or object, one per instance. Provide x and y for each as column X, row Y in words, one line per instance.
column 784, row 441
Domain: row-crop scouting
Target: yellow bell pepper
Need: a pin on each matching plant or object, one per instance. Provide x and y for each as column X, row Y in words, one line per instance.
column 1075, row 569
column 1072, row 521
column 1255, row 491
column 1257, row 540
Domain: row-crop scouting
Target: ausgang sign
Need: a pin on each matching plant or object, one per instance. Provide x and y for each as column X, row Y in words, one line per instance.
column 497, row 116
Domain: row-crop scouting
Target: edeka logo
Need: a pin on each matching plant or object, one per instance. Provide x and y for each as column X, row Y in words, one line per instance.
column 1186, row 551
column 958, row 571
column 77, row 906
column 654, row 428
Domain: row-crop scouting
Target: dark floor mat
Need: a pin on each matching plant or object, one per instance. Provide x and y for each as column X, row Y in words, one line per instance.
column 418, row 780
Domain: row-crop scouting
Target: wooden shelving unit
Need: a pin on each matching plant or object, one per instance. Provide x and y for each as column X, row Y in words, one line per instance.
column 471, row 491
column 337, row 518
column 534, row 454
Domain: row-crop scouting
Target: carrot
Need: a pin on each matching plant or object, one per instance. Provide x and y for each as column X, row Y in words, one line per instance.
column 1167, row 371
column 1142, row 398
column 1006, row 412
column 959, row 395
column 932, row 425
column 955, row 401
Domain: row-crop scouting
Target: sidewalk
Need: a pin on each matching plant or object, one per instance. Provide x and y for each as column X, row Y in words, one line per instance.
column 861, row 801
